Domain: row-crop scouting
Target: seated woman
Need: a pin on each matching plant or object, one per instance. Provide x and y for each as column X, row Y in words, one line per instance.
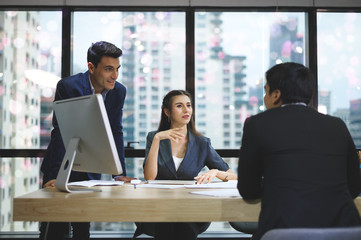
column 178, row 152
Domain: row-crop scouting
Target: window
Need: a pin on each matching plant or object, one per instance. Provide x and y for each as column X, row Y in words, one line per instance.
column 134, row 33
column 339, row 61
column 30, row 65
column 233, row 49
column 240, row 47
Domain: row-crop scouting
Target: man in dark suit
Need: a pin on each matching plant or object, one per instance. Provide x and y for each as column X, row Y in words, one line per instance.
column 103, row 67
column 301, row 163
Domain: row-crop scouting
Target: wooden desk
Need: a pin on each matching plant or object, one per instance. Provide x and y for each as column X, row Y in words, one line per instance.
column 126, row 204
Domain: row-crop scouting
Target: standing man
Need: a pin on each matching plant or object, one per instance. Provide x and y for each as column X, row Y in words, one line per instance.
column 301, row 163
column 103, row 70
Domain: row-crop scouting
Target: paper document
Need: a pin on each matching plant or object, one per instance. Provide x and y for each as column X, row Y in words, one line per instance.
column 92, row 183
column 229, row 184
column 172, row 182
column 219, row 193
column 159, row 186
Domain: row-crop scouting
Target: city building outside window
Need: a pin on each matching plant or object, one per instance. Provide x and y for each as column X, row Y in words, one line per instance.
column 30, row 66
column 339, row 68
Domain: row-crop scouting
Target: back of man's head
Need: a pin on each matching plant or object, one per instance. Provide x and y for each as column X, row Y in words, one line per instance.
column 99, row 49
column 295, row 82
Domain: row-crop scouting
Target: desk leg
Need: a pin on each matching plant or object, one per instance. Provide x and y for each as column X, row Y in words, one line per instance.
column 54, row 230
column 46, row 231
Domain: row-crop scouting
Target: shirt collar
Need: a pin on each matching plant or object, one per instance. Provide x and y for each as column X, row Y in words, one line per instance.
column 104, row 92
column 295, row 103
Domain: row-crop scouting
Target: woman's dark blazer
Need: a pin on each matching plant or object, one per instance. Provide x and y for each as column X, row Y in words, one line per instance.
column 199, row 153
column 304, row 166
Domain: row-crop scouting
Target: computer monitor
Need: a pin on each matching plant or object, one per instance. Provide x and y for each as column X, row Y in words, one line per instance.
column 88, row 138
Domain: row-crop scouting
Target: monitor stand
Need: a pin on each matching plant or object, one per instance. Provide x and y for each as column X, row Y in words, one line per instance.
column 62, row 179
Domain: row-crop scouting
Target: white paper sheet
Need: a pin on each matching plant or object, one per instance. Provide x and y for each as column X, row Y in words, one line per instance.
column 219, row 193
column 229, row 184
column 172, row 182
column 92, row 183
column 159, row 186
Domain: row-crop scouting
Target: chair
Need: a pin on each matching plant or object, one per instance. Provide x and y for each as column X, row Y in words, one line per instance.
column 245, row 227
column 343, row 233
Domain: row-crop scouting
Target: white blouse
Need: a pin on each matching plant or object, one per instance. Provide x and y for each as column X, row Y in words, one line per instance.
column 177, row 162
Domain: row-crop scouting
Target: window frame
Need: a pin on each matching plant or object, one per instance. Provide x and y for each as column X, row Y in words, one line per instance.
column 190, row 8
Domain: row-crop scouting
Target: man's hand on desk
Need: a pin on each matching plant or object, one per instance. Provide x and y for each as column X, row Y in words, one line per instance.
column 50, row 183
column 124, row 178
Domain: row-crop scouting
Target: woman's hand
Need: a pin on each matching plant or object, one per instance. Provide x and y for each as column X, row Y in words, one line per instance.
column 206, row 177
column 173, row 134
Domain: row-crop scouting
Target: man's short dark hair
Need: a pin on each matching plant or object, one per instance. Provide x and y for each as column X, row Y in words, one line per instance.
column 99, row 49
column 295, row 81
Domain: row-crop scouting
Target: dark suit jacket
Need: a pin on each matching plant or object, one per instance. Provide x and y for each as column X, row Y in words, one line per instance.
column 76, row 86
column 304, row 166
column 199, row 153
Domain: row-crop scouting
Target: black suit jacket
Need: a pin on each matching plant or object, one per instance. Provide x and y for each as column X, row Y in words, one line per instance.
column 304, row 166
column 76, row 86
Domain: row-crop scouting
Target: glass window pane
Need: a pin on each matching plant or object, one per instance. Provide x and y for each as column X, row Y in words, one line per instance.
column 339, row 71
column 152, row 64
column 233, row 51
column 18, row 176
column 30, row 66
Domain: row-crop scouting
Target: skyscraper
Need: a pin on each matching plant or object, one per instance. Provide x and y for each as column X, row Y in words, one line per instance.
column 20, row 125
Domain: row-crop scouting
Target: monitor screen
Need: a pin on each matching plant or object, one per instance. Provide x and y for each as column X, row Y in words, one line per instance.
column 87, row 137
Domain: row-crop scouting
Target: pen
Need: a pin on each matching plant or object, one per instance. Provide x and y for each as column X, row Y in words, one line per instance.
column 135, row 182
